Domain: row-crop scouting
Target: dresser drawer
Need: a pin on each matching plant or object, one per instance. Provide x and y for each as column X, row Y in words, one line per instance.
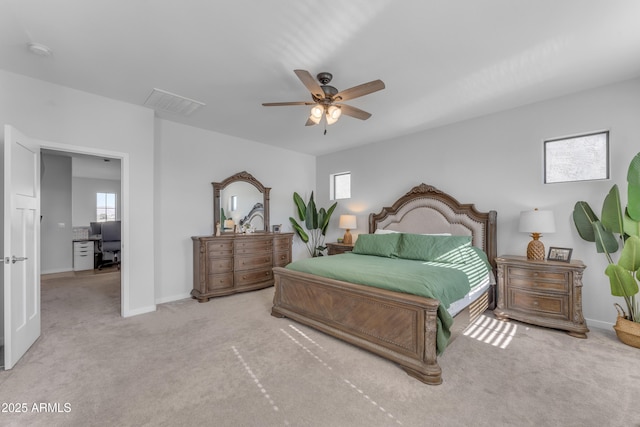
column 243, row 278
column 219, row 248
column 253, row 261
column 532, row 279
column 549, row 305
column 253, row 246
column 220, row 265
column 281, row 259
column 219, row 281
column 281, row 244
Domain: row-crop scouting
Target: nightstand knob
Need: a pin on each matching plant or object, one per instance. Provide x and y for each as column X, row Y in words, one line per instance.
column 535, row 303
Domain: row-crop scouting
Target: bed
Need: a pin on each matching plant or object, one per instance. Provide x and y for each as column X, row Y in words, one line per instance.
column 400, row 327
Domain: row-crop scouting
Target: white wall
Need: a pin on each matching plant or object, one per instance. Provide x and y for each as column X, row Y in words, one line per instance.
column 84, row 198
column 188, row 160
column 63, row 118
column 56, row 250
column 496, row 162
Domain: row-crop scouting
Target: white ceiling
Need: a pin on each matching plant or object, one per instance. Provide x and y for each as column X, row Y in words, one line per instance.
column 442, row 60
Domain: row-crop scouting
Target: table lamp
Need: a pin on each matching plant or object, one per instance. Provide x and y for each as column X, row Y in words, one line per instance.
column 536, row 222
column 347, row 222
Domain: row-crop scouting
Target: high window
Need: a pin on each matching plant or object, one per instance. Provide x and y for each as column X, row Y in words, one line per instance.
column 105, row 207
column 340, row 186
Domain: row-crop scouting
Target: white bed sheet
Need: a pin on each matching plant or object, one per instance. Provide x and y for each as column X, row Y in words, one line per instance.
column 459, row 305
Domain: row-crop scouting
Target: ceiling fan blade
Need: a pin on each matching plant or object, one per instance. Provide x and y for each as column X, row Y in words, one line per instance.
column 281, row 104
column 354, row 112
column 360, row 90
column 310, row 83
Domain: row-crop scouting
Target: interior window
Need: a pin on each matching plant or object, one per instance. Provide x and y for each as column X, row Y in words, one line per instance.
column 105, row 207
column 577, row 158
column 340, row 186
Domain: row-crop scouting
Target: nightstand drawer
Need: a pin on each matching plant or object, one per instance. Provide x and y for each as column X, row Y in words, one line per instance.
column 540, row 282
column 538, row 274
column 550, row 305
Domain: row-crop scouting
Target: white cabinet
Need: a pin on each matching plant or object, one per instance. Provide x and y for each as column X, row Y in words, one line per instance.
column 83, row 255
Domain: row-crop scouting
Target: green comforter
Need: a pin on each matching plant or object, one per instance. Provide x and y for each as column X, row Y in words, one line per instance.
column 441, row 281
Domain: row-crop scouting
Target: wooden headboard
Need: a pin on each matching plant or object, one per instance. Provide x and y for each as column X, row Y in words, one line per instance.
column 425, row 209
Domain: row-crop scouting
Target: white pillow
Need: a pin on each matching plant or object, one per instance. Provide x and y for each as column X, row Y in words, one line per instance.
column 382, row 231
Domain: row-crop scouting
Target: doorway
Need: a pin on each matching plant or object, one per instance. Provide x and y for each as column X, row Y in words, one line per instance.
column 88, row 159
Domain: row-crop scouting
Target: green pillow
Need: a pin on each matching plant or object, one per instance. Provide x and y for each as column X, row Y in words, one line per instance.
column 385, row 245
column 446, row 249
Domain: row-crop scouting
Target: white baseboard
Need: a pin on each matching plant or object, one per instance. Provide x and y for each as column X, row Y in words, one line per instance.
column 591, row 323
column 138, row 311
column 173, row 298
column 57, row 270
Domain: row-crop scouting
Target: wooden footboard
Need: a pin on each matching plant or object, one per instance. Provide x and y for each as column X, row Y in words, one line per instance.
column 399, row 327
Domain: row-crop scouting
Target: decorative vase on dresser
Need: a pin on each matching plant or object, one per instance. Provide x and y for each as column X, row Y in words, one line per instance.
column 543, row 293
column 232, row 263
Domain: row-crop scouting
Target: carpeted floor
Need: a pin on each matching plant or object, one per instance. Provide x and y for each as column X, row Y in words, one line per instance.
column 229, row 363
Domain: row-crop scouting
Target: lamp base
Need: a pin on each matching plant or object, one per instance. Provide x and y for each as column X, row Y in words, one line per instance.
column 347, row 239
column 535, row 249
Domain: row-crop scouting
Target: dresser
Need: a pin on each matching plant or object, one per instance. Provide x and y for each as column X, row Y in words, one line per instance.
column 544, row 293
column 231, row 263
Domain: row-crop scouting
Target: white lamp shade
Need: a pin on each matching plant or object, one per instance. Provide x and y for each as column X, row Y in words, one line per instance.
column 347, row 222
column 537, row 221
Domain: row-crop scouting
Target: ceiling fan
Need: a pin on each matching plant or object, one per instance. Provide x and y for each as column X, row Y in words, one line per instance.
column 327, row 101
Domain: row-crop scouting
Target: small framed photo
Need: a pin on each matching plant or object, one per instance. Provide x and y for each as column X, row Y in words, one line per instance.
column 276, row 228
column 559, row 254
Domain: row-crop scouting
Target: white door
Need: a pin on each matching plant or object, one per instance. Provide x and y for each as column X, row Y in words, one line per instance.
column 21, row 245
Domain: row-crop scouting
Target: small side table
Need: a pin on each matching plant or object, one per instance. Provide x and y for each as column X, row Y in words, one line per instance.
column 543, row 293
column 338, row 248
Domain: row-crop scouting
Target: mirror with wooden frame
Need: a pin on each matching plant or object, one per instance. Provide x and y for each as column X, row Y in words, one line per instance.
column 241, row 202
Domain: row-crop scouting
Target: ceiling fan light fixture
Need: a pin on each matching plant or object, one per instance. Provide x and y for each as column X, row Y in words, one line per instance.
column 315, row 119
column 317, row 111
column 334, row 112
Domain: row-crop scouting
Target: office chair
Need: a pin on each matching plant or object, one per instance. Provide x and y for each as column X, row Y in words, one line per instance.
column 110, row 243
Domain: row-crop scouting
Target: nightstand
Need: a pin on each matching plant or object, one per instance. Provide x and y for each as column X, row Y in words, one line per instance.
column 338, row 248
column 543, row 293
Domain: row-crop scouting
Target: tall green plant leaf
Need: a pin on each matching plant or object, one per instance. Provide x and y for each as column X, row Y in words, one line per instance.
column 633, row 202
column 302, row 208
column 301, row 233
column 612, row 211
column 630, row 255
column 325, row 224
column 622, row 282
column 311, row 221
column 633, row 174
column 631, row 227
column 605, row 240
column 583, row 218
column 633, row 188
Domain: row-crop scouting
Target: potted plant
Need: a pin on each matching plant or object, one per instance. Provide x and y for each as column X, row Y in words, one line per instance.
column 316, row 223
column 617, row 228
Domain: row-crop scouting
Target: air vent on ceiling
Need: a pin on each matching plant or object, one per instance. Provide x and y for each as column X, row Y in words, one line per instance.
column 166, row 101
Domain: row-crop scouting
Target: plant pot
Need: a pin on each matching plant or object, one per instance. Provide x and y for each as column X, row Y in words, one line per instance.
column 627, row 330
